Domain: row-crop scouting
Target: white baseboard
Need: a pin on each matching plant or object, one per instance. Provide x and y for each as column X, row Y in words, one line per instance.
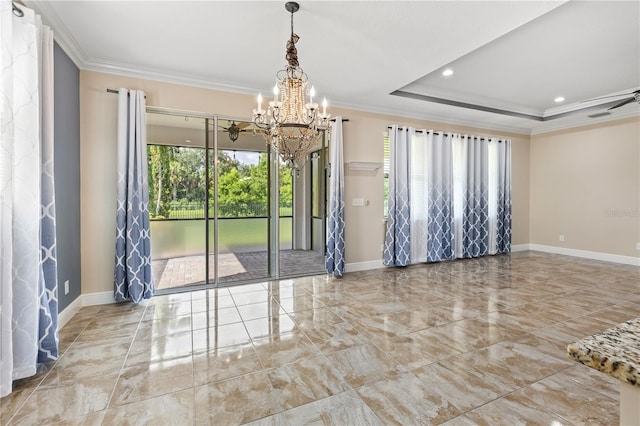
column 68, row 312
column 91, row 299
column 607, row 257
column 363, row 266
column 101, row 298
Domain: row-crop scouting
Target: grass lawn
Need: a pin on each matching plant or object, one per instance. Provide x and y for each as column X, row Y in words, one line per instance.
column 238, row 233
column 177, row 238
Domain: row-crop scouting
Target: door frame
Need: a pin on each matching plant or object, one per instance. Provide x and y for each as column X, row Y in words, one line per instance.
column 273, row 211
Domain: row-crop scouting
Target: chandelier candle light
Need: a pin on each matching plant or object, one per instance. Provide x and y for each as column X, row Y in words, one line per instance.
column 292, row 125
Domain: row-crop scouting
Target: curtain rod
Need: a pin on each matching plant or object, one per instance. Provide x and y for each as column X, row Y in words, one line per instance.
column 440, row 133
column 117, row 91
column 343, row 120
column 16, row 10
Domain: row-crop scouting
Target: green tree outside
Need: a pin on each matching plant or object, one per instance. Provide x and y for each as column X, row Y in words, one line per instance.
column 159, row 169
column 177, row 184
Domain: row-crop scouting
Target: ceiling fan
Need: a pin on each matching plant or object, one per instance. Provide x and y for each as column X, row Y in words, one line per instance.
column 634, row 97
column 234, row 130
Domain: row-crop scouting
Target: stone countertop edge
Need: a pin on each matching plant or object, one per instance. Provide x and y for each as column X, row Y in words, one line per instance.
column 615, row 351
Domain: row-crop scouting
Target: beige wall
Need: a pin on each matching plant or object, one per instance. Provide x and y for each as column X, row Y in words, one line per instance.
column 363, row 141
column 585, row 185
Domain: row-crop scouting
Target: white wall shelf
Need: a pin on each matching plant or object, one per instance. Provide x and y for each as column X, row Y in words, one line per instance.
column 363, row 165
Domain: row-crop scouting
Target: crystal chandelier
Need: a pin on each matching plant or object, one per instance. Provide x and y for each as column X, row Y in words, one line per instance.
column 291, row 125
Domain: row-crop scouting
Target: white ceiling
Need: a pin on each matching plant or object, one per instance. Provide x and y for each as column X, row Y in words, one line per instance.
column 514, row 56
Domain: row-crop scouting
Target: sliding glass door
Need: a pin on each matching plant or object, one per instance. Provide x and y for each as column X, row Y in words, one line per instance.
column 242, row 197
column 177, row 195
column 224, row 209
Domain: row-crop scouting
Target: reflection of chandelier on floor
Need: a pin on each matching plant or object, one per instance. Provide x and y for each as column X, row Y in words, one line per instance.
column 291, row 125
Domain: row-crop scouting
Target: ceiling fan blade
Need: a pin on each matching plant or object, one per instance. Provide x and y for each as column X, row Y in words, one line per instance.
column 626, row 101
column 244, row 124
column 611, row 96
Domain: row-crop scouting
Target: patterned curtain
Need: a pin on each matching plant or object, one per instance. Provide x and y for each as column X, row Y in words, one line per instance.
column 335, row 231
column 503, row 196
column 397, row 248
column 475, row 193
column 28, row 267
column 440, row 243
column 48, row 282
column 133, row 280
column 449, row 197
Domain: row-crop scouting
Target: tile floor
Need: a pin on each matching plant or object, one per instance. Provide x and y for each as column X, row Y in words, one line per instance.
column 459, row 343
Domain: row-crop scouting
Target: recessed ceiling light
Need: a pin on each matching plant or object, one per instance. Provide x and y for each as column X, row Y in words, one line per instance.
column 559, row 99
column 447, row 72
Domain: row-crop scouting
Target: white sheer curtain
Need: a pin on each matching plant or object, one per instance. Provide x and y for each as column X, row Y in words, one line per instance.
column 431, row 203
column 28, row 293
column 459, row 155
column 419, row 184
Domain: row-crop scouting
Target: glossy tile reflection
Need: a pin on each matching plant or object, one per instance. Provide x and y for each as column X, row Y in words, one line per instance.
column 473, row 342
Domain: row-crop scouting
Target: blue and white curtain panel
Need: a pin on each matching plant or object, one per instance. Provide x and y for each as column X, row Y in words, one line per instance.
column 475, row 196
column 334, row 260
column 133, row 279
column 48, row 283
column 28, row 265
column 449, row 197
column 502, row 231
column 397, row 246
column 439, row 240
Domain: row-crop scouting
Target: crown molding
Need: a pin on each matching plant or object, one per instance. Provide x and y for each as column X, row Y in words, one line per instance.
column 472, row 101
column 175, row 78
column 137, row 72
column 584, row 121
column 576, row 106
column 434, row 117
column 61, row 34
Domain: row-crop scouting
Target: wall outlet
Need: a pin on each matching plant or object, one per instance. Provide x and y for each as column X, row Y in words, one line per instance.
column 382, row 247
column 561, row 237
column 66, row 287
column 638, row 246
